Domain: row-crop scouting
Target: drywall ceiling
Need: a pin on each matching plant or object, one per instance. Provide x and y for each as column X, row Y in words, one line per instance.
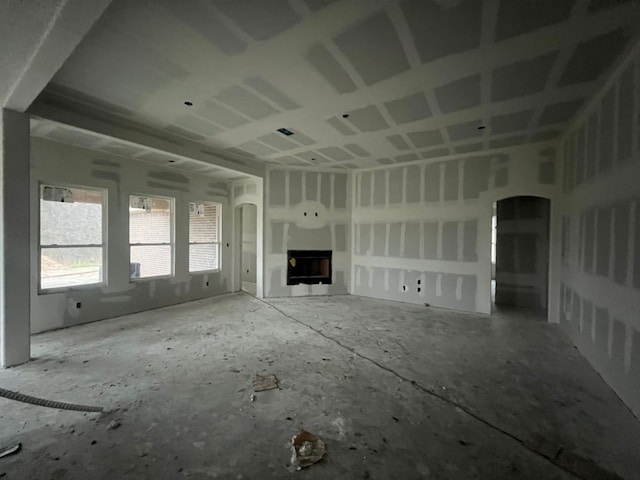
column 36, row 38
column 68, row 135
column 415, row 77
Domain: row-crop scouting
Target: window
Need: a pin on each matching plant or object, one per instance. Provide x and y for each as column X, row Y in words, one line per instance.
column 150, row 236
column 204, row 236
column 71, row 236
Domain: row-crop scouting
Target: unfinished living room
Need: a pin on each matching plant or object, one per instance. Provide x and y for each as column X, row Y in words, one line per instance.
column 320, row 239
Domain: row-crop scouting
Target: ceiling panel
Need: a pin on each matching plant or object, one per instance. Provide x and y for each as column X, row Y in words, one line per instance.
column 357, row 81
column 373, row 48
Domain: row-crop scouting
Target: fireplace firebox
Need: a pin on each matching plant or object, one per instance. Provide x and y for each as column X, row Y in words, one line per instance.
column 310, row 267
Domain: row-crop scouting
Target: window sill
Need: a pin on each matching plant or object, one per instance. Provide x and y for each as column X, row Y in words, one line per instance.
column 147, row 279
column 204, row 272
column 86, row 286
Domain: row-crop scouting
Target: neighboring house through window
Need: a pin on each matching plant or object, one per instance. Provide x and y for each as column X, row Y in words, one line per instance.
column 71, row 240
column 150, row 236
column 204, row 236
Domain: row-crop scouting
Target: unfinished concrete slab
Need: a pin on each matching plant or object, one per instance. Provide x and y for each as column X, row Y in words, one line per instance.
column 394, row 390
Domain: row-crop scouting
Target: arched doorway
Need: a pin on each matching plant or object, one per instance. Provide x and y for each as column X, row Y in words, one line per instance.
column 521, row 252
column 248, row 247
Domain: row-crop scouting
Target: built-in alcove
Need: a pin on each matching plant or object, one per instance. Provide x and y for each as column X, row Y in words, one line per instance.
column 309, row 267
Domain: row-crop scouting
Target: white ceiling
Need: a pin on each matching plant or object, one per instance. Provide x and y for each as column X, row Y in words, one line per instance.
column 416, row 77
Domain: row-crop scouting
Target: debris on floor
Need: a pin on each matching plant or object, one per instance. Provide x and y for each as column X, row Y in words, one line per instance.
column 252, row 397
column 307, row 449
column 264, row 382
column 5, row 452
column 115, row 423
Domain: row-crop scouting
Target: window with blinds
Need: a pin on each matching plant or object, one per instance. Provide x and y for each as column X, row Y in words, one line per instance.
column 204, row 236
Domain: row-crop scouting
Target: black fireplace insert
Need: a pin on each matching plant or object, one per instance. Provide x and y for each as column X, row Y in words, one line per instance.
column 310, row 267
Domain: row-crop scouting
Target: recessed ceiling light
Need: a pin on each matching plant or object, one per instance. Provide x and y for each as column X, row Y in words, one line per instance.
column 188, row 103
column 481, row 127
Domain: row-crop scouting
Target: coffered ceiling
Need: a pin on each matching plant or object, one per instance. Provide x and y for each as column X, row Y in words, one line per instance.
column 358, row 82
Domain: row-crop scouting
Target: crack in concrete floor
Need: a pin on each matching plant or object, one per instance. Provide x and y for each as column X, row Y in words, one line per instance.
column 585, row 467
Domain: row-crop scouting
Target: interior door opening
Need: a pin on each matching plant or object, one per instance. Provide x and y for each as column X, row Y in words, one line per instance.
column 520, row 252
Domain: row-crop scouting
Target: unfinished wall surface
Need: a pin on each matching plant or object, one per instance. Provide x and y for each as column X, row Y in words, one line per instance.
column 600, row 291
column 58, row 164
column 422, row 231
column 249, row 242
column 306, row 210
column 522, row 254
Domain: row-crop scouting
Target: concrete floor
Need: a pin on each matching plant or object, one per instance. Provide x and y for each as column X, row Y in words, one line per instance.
column 396, row 391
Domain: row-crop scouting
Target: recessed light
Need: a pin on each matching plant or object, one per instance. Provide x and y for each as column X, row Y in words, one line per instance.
column 188, row 103
column 481, row 127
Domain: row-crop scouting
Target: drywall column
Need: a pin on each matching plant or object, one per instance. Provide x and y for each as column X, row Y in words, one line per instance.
column 14, row 239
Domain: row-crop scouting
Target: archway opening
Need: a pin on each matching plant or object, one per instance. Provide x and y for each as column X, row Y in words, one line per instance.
column 248, row 247
column 520, row 253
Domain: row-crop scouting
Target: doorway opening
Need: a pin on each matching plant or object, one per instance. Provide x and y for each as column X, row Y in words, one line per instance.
column 520, row 253
column 248, row 247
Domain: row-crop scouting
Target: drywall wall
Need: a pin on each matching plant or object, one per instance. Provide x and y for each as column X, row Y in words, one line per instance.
column 249, row 242
column 14, row 238
column 522, row 253
column 600, row 291
column 422, row 231
column 306, row 210
column 60, row 164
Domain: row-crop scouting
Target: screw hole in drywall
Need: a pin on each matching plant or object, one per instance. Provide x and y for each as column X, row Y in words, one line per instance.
column 404, row 288
column 305, row 214
column 316, row 214
column 419, row 282
column 79, row 305
column 207, row 284
column 418, row 289
column 227, row 244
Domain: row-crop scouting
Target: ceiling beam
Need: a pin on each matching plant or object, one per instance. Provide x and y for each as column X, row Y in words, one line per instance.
column 37, row 40
column 89, row 119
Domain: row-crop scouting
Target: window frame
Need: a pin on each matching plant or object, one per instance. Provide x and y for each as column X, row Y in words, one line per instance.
column 172, row 236
column 218, row 234
column 104, row 245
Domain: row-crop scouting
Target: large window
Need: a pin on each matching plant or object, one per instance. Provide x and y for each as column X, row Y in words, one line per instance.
column 204, row 236
column 71, row 236
column 150, row 236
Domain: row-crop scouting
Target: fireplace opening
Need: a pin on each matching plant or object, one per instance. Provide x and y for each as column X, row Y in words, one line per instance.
column 310, row 267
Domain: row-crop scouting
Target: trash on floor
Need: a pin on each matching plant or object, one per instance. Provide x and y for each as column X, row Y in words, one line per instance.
column 264, row 382
column 307, row 449
column 115, row 423
column 5, row 452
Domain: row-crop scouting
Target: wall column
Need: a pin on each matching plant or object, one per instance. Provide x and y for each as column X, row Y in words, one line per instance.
column 15, row 269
